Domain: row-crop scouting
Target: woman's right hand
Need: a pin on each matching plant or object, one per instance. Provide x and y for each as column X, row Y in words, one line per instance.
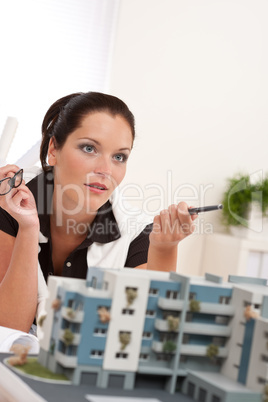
column 19, row 202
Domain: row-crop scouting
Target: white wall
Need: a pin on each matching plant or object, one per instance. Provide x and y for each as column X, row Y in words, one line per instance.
column 194, row 73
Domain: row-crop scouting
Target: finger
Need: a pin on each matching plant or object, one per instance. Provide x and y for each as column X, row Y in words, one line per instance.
column 157, row 228
column 185, row 218
column 173, row 216
column 165, row 221
column 9, row 198
column 8, row 169
column 193, row 216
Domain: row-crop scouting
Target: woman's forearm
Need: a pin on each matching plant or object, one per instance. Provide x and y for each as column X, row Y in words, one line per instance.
column 18, row 288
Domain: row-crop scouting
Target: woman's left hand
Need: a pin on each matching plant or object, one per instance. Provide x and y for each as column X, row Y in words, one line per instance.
column 171, row 226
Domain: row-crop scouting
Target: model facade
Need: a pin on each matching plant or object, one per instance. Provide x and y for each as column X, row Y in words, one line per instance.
column 129, row 328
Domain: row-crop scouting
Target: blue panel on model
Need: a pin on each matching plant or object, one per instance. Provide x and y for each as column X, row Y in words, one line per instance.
column 210, row 294
column 246, row 350
column 89, row 340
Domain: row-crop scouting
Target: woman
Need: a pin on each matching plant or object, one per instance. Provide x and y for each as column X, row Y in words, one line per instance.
column 68, row 217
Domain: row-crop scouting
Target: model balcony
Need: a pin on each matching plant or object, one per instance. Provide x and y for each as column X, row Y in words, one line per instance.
column 75, row 341
column 206, row 308
column 207, row 329
column 200, row 350
column 217, row 309
column 162, row 325
column 170, row 304
column 72, row 315
column 158, row 347
column 65, row 360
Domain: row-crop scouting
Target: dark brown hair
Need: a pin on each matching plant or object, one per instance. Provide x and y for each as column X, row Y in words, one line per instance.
column 67, row 113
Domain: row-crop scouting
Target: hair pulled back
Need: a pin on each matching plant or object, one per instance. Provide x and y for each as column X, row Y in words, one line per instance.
column 66, row 115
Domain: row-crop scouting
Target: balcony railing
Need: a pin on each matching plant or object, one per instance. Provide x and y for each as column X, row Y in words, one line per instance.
column 206, row 329
column 76, row 340
column 65, row 360
column 206, row 308
column 170, row 304
column 200, row 350
column 72, row 316
column 217, row 309
column 162, row 325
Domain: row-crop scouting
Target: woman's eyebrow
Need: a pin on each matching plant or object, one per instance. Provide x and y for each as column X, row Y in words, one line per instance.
column 98, row 143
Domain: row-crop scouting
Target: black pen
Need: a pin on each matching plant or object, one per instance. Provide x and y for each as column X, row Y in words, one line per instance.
column 193, row 211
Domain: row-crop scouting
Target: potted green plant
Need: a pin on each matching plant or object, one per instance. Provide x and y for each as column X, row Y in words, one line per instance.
column 245, row 205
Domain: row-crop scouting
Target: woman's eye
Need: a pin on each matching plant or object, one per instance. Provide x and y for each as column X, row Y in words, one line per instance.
column 120, row 158
column 88, row 148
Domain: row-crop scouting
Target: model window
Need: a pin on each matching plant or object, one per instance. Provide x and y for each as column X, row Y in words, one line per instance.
column 264, row 358
column 147, row 335
column 167, row 313
column 218, row 340
column 144, row 356
column 71, row 303
column 153, row 291
column 128, row 311
column 215, row 398
column 121, row 355
column 202, row 395
column 192, row 296
column 185, row 339
column 224, row 299
column 171, row 294
column 80, row 306
column 97, row 354
column 94, row 282
column 190, row 389
column 150, row 313
column 189, row 316
column 163, row 357
column 100, row 331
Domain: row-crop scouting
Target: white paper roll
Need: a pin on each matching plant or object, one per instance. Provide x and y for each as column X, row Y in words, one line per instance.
column 7, row 136
column 31, row 157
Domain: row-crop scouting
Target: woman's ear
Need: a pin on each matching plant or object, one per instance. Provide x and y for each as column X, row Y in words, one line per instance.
column 51, row 152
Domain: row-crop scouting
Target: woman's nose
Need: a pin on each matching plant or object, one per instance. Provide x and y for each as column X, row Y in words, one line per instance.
column 103, row 166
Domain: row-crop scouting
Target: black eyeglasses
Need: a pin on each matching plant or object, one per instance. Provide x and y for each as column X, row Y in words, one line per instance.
column 8, row 183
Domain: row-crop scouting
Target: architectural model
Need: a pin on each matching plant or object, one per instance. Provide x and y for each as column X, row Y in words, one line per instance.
column 201, row 336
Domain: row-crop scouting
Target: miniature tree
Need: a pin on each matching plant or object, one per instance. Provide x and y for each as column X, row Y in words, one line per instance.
column 21, row 353
column 104, row 315
column 124, row 338
column 56, row 304
column 68, row 337
column 194, row 306
column 249, row 313
column 212, row 351
column 173, row 323
column 169, row 347
column 131, row 295
column 52, row 348
column 70, row 312
column 41, row 320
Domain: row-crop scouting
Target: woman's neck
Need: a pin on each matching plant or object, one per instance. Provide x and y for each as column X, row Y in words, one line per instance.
column 70, row 224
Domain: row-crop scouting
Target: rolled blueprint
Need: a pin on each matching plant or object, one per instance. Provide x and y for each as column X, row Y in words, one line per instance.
column 7, row 136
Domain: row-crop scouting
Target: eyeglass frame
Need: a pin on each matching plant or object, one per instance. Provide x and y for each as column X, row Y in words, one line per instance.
column 12, row 181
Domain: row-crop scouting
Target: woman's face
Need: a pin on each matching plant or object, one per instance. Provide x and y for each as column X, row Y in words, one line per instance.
column 91, row 163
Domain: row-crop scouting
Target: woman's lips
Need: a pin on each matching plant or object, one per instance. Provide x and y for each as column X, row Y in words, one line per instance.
column 97, row 187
